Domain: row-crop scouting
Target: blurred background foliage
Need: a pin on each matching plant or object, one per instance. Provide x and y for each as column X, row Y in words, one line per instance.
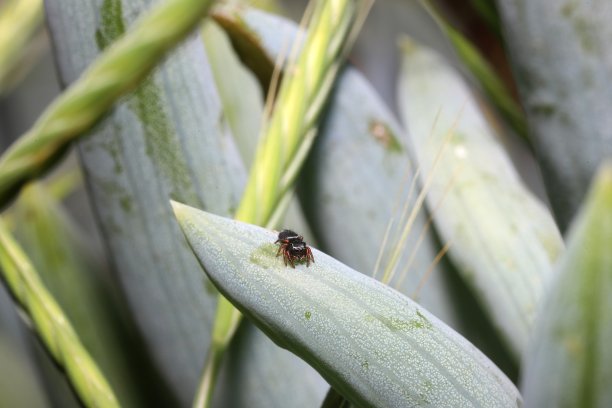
column 535, row 77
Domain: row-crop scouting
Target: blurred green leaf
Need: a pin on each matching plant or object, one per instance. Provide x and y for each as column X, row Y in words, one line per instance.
column 52, row 325
column 23, row 387
column 484, row 74
column 488, row 11
column 569, row 363
column 61, row 254
column 560, row 52
column 373, row 344
column 238, row 89
column 503, row 240
column 19, row 21
column 258, row 374
column 168, row 139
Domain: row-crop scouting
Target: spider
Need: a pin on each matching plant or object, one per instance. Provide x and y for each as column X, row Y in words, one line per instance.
column 293, row 247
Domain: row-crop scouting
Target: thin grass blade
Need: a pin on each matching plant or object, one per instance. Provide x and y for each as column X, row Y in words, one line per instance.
column 52, row 325
column 62, row 255
column 490, row 83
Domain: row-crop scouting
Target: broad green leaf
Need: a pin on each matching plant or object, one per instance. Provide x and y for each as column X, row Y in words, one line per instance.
column 560, row 52
column 168, row 139
column 569, row 363
column 503, row 240
column 374, row 345
column 359, row 201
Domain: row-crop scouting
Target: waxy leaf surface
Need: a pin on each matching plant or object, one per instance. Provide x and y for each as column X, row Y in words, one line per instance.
column 374, row 345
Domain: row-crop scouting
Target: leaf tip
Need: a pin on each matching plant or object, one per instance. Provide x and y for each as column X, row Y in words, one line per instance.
column 179, row 209
column 602, row 185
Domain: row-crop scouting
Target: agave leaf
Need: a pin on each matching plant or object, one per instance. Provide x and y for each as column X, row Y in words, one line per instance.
column 168, row 139
column 503, row 240
column 374, row 345
column 560, row 50
column 569, row 363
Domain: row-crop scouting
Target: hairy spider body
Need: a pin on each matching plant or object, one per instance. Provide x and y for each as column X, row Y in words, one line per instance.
column 293, row 248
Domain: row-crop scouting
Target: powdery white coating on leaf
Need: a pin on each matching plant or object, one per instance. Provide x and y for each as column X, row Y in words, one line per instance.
column 563, row 63
column 369, row 341
column 503, row 240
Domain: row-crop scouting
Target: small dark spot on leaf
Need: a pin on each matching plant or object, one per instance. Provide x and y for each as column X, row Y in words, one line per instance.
column 307, row 315
column 126, row 203
column 383, row 134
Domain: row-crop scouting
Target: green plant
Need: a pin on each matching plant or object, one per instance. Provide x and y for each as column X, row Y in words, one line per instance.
column 438, row 274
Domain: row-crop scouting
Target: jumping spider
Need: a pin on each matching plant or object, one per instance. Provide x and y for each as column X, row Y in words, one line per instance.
column 293, row 247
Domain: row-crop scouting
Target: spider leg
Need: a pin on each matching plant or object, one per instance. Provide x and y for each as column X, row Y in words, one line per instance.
column 309, row 257
column 285, row 255
column 280, row 249
column 291, row 262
